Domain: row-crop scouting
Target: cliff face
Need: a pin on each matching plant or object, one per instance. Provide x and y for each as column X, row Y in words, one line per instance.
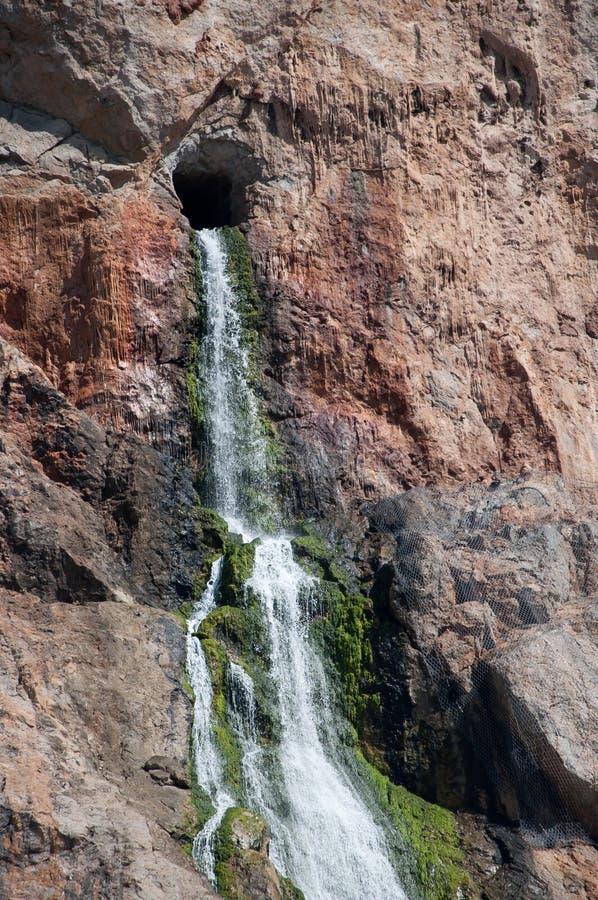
column 418, row 190
column 483, row 637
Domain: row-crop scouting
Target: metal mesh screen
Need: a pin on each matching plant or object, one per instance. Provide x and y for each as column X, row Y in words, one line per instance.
column 500, row 583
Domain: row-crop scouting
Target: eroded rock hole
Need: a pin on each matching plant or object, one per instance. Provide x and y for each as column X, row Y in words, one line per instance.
column 209, row 200
column 214, row 179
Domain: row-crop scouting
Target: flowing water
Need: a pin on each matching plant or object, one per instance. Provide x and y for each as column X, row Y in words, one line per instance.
column 237, row 471
column 324, row 835
column 206, row 759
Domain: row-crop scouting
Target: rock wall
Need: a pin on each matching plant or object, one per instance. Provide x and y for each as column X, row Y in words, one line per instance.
column 418, row 188
column 485, row 601
column 98, row 539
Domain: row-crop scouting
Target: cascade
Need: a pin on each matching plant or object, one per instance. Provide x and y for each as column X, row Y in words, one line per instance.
column 206, row 760
column 324, row 836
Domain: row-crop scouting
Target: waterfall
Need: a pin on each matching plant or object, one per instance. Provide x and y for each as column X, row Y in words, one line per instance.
column 206, row 760
column 243, row 720
column 323, row 834
column 236, row 450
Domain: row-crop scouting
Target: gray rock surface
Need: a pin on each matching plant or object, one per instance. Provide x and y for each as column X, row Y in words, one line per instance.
column 487, row 648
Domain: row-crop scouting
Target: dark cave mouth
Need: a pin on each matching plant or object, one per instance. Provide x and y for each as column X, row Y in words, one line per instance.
column 214, row 179
column 209, row 200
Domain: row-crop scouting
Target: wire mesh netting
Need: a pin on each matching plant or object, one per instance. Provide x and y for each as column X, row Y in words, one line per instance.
column 500, row 582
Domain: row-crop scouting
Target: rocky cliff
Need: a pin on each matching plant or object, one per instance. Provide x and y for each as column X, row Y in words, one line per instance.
column 418, row 188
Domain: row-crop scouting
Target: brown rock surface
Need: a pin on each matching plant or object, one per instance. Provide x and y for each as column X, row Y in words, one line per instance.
column 485, row 642
column 96, row 528
column 420, row 192
column 89, row 692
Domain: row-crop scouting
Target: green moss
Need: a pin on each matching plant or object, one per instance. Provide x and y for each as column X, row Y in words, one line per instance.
column 312, row 547
column 232, row 632
column 236, row 570
column 240, row 634
column 344, row 631
column 233, row 625
column 214, row 528
column 195, row 392
column 433, row 853
column 212, row 534
column 226, row 852
column 230, row 751
column 223, row 839
column 203, row 805
column 240, row 272
column 187, row 687
column 187, row 828
column 343, row 628
column 199, row 287
column 289, row 890
column 227, row 742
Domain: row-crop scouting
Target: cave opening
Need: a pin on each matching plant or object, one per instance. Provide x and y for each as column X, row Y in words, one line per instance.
column 209, row 200
column 214, row 179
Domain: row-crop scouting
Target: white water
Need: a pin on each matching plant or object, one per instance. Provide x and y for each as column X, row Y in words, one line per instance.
column 242, row 717
column 327, row 839
column 208, row 767
column 324, row 836
column 237, row 451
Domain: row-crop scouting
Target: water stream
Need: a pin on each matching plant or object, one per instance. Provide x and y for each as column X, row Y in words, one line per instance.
column 206, row 759
column 324, row 835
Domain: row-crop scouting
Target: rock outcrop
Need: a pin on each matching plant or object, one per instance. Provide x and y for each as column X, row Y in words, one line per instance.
column 418, row 188
column 485, row 643
column 98, row 540
column 244, row 870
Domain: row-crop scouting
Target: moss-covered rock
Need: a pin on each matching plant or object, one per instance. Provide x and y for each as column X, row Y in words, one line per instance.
column 195, row 390
column 226, row 739
column 213, row 527
column 236, row 571
column 343, row 628
column 243, row 869
column 240, row 273
column 212, row 538
column 313, row 551
column 195, row 394
column 231, row 633
column 429, row 848
column 185, row 830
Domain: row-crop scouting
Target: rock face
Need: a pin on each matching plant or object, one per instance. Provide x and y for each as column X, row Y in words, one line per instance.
column 88, row 515
column 245, row 871
column 418, row 188
column 89, row 692
column 485, row 640
column 97, row 540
